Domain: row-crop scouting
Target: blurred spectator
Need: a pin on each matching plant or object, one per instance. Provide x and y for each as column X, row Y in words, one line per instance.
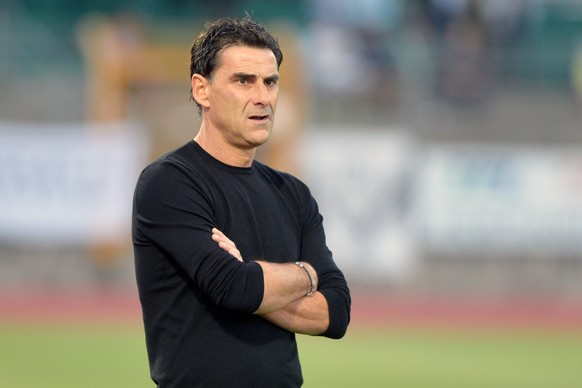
column 467, row 32
column 441, row 13
column 504, row 20
column 353, row 40
column 465, row 73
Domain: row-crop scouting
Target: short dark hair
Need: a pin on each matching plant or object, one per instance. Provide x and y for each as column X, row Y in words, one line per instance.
column 224, row 33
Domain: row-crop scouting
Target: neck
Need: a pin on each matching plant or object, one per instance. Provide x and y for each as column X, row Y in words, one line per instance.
column 223, row 151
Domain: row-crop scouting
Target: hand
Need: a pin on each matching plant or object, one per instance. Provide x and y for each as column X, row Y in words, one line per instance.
column 225, row 243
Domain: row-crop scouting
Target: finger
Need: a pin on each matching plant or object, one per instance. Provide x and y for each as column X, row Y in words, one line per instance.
column 225, row 243
column 220, row 235
column 217, row 234
column 231, row 250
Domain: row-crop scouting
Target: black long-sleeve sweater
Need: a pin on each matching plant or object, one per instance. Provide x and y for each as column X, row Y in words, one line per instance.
column 197, row 300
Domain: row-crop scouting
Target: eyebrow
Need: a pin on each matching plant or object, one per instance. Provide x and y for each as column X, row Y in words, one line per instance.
column 248, row 76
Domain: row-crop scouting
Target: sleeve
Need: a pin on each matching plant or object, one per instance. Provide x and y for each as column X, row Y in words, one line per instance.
column 172, row 212
column 332, row 283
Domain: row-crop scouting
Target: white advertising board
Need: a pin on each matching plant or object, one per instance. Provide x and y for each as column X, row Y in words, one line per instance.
column 501, row 199
column 361, row 178
column 67, row 183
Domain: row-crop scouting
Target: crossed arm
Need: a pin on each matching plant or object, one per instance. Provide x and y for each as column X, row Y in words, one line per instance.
column 285, row 302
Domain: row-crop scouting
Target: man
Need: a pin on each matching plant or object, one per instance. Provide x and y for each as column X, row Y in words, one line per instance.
column 216, row 313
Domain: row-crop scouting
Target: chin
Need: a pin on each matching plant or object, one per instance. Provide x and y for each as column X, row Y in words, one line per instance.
column 258, row 143
column 261, row 138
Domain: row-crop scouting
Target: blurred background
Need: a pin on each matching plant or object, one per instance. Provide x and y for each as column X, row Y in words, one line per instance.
column 442, row 139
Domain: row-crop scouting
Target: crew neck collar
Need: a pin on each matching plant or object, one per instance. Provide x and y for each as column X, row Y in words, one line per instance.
column 201, row 151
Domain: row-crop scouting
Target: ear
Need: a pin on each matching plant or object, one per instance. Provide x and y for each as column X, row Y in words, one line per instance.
column 200, row 90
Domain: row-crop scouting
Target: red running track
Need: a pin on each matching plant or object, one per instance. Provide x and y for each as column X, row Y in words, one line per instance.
column 377, row 309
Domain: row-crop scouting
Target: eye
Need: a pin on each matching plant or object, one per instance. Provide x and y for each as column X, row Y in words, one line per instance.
column 270, row 82
column 243, row 81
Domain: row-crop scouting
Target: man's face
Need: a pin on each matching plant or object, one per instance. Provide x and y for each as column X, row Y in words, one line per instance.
column 243, row 96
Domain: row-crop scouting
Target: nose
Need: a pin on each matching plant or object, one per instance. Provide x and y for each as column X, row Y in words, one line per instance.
column 261, row 94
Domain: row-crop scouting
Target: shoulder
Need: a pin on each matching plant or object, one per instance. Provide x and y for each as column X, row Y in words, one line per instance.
column 180, row 159
column 178, row 179
column 170, row 172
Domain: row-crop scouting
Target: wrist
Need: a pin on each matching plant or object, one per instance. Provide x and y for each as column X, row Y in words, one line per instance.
column 310, row 278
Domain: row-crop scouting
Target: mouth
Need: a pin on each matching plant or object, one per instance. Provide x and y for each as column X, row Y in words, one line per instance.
column 259, row 118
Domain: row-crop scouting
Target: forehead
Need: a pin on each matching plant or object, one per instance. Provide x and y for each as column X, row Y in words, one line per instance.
column 247, row 59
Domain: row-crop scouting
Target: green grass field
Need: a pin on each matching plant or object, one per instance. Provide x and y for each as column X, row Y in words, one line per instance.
column 114, row 356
